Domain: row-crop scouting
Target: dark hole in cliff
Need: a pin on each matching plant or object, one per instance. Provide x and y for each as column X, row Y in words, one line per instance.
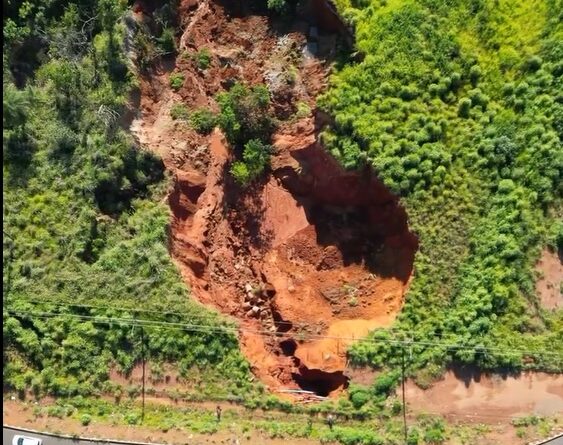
column 355, row 216
column 320, row 382
column 384, row 247
column 288, row 347
column 281, row 324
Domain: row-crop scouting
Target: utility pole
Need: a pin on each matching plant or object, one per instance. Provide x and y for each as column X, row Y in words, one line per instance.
column 144, row 361
column 403, row 390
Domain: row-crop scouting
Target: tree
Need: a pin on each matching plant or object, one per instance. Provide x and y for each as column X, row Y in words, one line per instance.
column 245, row 113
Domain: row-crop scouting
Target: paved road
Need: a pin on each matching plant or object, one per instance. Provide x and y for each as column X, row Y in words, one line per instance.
column 558, row 440
column 9, row 433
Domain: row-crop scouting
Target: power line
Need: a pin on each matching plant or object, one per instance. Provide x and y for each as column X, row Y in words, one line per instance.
column 192, row 327
column 132, row 309
column 317, row 336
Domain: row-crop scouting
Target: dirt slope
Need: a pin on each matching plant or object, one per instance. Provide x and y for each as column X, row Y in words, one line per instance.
column 310, row 250
column 490, row 398
column 548, row 286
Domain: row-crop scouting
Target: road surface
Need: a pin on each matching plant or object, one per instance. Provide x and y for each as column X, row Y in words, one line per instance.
column 9, row 433
column 557, row 440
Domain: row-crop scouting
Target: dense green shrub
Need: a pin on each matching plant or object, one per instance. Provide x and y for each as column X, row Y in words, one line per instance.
column 203, row 59
column 245, row 113
column 203, row 120
column 85, row 419
column 166, row 41
column 277, row 5
column 256, row 157
column 177, row 81
column 359, row 397
column 460, row 118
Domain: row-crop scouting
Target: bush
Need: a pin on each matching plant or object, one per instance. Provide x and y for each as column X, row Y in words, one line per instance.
column 277, row 5
column 203, row 59
column 166, row 41
column 245, row 113
column 203, row 120
column 464, row 107
column 413, row 436
column 256, row 156
column 435, row 433
column 240, row 173
column 179, row 111
column 85, row 419
column 359, row 397
column 475, row 74
column 176, row 81
column 533, row 64
column 385, row 383
column 303, row 110
column 132, row 418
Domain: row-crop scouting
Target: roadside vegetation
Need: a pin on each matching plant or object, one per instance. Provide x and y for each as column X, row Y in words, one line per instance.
column 457, row 107
column 270, row 422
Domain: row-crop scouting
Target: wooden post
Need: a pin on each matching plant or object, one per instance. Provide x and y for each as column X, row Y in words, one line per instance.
column 403, row 390
column 144, row 361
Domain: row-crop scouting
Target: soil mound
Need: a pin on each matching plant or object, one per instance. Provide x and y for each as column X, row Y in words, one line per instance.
column 309, row 259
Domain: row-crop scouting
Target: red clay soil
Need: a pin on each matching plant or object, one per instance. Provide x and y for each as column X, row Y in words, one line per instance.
column 309, row 251
column 548, row 286
column 489, row 398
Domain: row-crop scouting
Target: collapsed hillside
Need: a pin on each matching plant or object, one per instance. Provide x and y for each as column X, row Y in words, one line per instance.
column 309, row 257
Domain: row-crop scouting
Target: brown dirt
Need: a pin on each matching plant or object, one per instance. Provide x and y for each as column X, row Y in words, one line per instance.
column 548, row 286
column 489, row 398
column 311, row 250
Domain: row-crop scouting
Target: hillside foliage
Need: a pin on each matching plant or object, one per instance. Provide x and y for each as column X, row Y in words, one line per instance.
column 85, row 229
column 458, row 107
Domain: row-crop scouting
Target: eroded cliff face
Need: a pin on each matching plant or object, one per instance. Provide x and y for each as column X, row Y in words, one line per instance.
column 310, row 257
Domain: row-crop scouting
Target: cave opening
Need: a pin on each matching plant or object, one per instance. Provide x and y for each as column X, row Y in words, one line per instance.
column 322, row 383
column 288, row 347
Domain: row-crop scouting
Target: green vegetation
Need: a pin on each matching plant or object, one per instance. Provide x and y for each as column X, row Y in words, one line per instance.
column 179, row 112
column 301, row 422
column 277, row 5
column 203, row 120
column 203, row 58
column 245, row 119
column 177, row 81
column 303, row 110
column 85, row 228
column 155, row 39
column 244, row 113
column 256, row 156
column 457, row 106
column 166, row 41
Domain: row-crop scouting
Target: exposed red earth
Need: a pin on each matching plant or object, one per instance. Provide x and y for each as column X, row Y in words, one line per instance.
column 310, row 250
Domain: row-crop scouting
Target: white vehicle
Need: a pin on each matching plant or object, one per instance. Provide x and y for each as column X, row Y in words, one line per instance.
column 26, row 440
